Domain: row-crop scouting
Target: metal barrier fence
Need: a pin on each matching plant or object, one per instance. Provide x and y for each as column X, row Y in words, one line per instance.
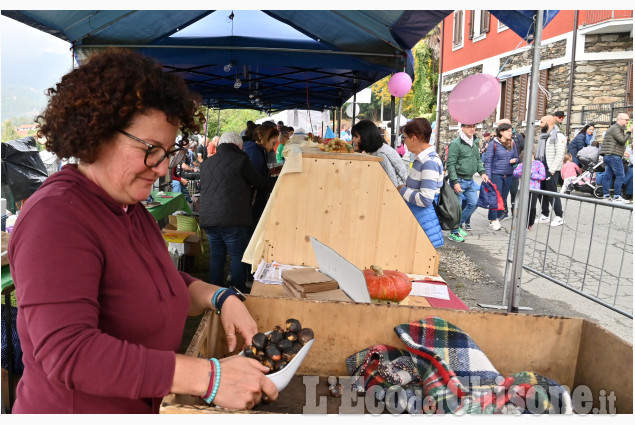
column 591, row 254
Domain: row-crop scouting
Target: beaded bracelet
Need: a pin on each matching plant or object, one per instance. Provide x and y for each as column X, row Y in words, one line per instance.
column 215, row 297
column 210, row 385
column 210, row 399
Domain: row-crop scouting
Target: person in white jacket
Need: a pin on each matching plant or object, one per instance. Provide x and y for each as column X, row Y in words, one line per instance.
column 551, row 150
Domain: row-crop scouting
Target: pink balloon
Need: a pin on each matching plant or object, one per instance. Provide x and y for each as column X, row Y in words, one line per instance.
column 474, row 98
column 399, row 84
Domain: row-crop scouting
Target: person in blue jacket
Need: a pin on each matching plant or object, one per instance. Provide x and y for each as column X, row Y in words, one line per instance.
column 425, row 178
column 499, row 165
column 583, row 139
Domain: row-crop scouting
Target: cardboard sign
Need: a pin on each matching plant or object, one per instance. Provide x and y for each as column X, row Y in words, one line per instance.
column 350, row 278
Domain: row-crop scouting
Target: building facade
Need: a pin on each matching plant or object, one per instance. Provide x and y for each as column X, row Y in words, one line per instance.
column 596, row 44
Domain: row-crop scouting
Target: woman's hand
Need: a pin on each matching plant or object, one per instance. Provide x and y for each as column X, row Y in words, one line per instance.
column 513, row 161
column 236, row 318
column 485, row 178
column 457, row 188
column 242, row 383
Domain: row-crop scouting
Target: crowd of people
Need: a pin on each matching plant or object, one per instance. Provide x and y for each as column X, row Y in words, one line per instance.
column 102, row 335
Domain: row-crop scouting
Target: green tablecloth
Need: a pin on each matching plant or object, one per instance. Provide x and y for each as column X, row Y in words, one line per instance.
column 7, row 279
column 168, row 205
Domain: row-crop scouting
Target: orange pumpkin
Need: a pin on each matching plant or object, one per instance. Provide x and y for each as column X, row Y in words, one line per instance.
column 388, row 285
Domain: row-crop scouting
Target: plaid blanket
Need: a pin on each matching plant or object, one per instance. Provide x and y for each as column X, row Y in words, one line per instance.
column 444, row 363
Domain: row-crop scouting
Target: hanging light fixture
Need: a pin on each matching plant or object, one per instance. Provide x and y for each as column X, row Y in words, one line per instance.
column 228, row 67
column 238, row 83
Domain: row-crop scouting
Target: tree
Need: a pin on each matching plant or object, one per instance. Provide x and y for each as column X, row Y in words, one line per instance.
column 426, row 54
column 8, row 132
column 230, row 120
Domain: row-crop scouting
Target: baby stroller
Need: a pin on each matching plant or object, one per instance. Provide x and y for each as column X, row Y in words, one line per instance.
column 585, row 182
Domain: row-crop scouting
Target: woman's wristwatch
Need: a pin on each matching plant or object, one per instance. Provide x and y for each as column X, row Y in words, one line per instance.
column 222, row 297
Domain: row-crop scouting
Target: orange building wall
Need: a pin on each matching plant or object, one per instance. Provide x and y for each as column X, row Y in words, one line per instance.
column 495, row 43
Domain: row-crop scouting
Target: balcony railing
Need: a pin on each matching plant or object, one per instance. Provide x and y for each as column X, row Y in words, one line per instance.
column 605, row 113
column 597, row 16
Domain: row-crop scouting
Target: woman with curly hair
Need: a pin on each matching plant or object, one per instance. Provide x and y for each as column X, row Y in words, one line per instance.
column 101, row 305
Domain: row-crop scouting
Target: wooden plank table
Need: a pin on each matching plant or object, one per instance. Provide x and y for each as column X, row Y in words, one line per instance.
column 276, row 291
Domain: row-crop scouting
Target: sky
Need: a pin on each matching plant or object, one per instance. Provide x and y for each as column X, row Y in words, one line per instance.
column 30, row 55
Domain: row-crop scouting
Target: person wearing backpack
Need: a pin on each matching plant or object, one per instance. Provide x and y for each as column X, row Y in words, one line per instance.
column 425, row 179
column 463, row 161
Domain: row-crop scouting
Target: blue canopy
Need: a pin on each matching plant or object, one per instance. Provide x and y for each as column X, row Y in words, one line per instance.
column 269, row 60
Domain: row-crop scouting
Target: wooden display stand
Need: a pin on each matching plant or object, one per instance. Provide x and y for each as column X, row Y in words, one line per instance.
column 347, row 202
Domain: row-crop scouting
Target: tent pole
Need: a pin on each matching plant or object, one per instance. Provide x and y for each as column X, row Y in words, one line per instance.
column 572, row 71
column 334, row 112
column 381, row 112
column 393, row 131
column 519, row 233
column 218, row 122
column 439, row 86
column 354, row 104
column 207, row 122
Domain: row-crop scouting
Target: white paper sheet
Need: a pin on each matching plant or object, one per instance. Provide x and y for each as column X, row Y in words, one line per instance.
column 271, row 273
column 430, row 290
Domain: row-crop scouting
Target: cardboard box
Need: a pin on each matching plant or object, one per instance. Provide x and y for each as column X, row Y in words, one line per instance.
column 308, row 280
column 572, row 351
column 191, row 241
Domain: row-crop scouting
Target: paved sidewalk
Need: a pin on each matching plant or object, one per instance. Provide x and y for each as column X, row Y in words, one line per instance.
column 568, row 251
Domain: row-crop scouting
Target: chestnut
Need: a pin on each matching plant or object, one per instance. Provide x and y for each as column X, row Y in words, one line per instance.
column 250, row 351
column 284, row 345
column 280, row 364
column 288, row 356
column 293, row 325
column 273, row 353
column 290, row 336
column 275, row 336
column 278, row 328
column 296, row 347
column 259, row 340
column 305, row 335
column 269, row 363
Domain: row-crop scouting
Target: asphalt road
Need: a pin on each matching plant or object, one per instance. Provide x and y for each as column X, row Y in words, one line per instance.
column 587, row 253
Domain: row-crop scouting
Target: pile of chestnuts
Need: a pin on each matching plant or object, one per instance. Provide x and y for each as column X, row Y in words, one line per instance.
column 276, row 349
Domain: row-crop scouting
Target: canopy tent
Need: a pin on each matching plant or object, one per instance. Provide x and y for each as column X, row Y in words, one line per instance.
column 268, row 60
column 332, row 55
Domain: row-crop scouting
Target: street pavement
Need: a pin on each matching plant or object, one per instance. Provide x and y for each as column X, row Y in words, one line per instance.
column 586, row 250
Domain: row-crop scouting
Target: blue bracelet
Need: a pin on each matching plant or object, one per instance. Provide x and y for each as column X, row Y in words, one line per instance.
column 216, row 382
column 215, row 297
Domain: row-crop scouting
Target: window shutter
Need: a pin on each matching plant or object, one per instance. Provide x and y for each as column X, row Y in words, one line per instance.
column 455, row 37
column 522, row 97
column 509, row 98
column 471, row 15
column 492, row 118
column 484, row 21
column 629, row 84
column 541, row 107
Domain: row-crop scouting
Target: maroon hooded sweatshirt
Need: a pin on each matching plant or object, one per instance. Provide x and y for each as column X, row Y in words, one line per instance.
column 101, row 307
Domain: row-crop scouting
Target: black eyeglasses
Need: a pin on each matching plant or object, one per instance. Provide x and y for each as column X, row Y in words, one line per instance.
column 156, row 154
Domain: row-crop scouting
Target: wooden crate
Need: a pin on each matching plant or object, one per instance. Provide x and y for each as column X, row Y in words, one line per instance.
column 347, row 202
column 571, row 351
